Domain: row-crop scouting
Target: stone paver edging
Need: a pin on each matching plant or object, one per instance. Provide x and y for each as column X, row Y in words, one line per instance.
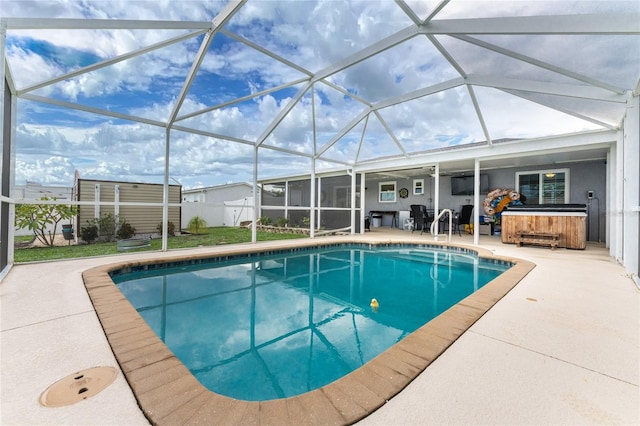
column 169, row 394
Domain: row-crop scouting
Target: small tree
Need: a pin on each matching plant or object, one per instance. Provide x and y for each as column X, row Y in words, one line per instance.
column 196, row 224
column 38, row 217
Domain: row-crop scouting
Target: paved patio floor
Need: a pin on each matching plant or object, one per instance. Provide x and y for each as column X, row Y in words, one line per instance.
column 561, row 348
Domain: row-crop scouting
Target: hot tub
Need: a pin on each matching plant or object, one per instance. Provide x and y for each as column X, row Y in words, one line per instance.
column 569, row 221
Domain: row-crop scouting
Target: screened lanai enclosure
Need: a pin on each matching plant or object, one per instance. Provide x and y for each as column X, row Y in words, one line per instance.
column 336, row 109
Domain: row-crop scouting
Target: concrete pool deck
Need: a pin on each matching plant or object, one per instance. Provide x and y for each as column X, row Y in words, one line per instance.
column 561, row 347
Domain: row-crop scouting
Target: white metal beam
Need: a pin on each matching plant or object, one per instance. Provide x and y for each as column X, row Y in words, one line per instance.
column 288, row 63
column 390, row 133
column 111, row 61
column 445, row 53
column 435, row 11
column 93, row 110
column 286, row 150
column 445, row 85
column 346, row 129
column 257, row 201
column 476, row 106
column 345, row 92
column 101, row 24
column 364, row 132
column 408, row 11
column 372, row 50
column 314, row 201
column 240, row 141
column 570, row 90
column 242, row 99
column 476, row 202
column 615, row 24
column 563, row 110
column 213, row 135
column 283, row 113
column 7, row 75
column 216, row 25
column 334, row 161
column 390, row 102
column 165, row 191
column 12, row 170
column 7, row 169
column 266, row 52
column 541, row 64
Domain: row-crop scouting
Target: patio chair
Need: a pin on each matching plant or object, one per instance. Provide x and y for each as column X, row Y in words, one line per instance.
column 465, row 218
column 443, row 223
column 421, row 219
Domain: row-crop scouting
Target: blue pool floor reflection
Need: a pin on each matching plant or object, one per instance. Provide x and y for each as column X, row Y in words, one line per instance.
column 283, row 325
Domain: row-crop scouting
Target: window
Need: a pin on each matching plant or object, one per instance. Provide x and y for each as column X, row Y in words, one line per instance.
column 418, row 187
column 387, row 192
column 544, row 186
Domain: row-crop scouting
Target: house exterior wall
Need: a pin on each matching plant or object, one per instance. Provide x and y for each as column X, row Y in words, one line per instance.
column 584, row 176
column 228, row 193
column 218, row 194
column 402, row 204
column 37, row 191
column 145, row 219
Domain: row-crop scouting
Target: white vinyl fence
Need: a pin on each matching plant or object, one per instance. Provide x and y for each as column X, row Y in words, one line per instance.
column 229, row 213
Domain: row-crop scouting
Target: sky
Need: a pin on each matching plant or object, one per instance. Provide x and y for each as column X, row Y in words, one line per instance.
column 53, row 142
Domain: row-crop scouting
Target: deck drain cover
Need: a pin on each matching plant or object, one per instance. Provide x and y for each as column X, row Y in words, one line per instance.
column 78, row 386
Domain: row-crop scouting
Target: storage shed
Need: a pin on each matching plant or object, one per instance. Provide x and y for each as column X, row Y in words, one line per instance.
column 127, row 200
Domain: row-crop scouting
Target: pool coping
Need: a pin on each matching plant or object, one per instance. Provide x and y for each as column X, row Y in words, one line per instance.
column 168, row 393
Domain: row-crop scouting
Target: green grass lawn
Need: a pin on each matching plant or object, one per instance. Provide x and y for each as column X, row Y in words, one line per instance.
column 214, row 236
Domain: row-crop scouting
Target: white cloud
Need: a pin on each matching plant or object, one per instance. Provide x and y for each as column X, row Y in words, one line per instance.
column 54, row 170
column 313, row 35
column 29, row 68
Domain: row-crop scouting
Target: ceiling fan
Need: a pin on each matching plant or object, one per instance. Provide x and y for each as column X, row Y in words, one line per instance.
column 432, row 172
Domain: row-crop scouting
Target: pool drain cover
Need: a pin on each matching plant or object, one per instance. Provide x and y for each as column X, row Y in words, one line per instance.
column 78, row 386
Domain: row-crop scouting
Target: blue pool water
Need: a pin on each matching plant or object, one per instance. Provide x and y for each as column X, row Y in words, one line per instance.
column 281, row 324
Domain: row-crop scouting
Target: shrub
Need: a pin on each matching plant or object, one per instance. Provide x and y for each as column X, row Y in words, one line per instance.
column 107, row 226
column 196, row 224
column 171, row 229
column 282, row 222
column 264, row 220
column 125, row 230
column 89, row 233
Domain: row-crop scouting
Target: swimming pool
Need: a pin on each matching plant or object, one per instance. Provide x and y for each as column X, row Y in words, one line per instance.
column 168, row 393
column 282, row 324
